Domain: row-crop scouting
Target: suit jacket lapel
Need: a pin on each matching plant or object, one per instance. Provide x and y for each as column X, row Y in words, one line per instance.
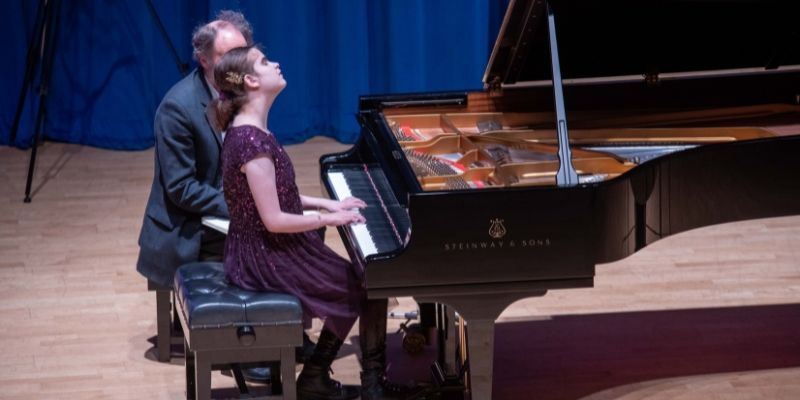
column 205, row 98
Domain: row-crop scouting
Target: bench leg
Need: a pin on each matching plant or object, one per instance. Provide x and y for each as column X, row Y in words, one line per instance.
column 164, row 324
column 177, row 329
column 202, row 376
column 190, row 379
column 287, row 373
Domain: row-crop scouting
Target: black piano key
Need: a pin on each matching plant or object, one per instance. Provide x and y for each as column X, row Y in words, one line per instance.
column 379, row 223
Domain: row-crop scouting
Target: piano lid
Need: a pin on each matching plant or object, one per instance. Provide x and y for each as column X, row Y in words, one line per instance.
column 636, row 38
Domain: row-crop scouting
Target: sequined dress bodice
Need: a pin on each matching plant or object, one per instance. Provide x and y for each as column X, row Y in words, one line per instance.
column 298, row 263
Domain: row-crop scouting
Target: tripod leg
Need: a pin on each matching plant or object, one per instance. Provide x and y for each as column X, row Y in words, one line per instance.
column 183, row 68
column 49, row 49
column 31, row 60
column 32, row 164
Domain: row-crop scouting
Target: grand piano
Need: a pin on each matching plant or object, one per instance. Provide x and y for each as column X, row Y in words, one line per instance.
column 603, row 127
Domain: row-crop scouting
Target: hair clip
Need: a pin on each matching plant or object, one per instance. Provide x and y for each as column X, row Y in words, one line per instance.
column 234, row 77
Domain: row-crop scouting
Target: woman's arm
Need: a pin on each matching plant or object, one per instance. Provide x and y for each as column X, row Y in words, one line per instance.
column 316, row 202
column 260, row 173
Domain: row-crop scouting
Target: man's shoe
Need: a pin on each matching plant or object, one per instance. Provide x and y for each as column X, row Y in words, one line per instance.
column 260, row 375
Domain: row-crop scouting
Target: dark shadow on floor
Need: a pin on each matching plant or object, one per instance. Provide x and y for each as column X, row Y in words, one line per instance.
column 52, row 168
column 569, row 357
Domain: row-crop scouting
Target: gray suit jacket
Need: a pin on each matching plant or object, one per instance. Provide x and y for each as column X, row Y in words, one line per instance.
column 187, row 183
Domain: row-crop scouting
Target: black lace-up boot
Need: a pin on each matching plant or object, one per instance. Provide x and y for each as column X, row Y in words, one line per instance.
column 315, row 381
column 303, row 353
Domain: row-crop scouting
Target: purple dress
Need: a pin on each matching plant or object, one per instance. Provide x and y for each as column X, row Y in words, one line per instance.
column 298, row 263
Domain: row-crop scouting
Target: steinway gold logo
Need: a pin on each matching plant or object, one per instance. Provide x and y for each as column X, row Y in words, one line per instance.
column 496, row 229
column 498, row 245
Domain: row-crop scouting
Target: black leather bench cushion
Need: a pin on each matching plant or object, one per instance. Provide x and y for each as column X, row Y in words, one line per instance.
column 208, row 300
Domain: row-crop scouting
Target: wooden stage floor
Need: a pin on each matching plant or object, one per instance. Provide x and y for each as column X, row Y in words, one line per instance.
column 708, row 314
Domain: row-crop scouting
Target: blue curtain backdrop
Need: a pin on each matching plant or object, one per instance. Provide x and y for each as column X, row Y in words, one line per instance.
column 112, row 65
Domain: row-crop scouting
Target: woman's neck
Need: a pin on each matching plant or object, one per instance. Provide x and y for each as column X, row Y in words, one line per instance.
column 254, row 112
column 248, row 119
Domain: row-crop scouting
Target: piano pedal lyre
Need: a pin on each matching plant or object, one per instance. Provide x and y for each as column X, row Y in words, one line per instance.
column 450, row 377
column 414, row 337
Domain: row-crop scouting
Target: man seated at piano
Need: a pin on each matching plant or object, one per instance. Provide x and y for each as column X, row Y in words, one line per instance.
column 272, row 246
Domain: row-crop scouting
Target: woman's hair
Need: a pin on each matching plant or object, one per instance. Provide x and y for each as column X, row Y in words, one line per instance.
column 229, row 77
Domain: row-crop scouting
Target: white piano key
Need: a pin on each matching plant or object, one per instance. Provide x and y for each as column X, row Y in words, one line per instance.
column 216, row 223
column 340, row 187
column 360, row 232
column 364, row 239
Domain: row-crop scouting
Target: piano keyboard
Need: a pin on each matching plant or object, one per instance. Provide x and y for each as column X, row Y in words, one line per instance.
column 387, row 221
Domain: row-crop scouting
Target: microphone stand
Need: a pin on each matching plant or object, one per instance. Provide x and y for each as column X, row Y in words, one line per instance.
column 41, row 52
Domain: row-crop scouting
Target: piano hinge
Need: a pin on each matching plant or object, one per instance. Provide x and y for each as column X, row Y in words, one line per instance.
column 651, row 78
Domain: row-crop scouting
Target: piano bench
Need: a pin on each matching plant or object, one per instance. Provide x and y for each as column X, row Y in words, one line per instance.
column 224, row 324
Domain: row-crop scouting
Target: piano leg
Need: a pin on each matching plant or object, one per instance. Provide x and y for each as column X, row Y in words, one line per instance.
column 480, row 311
column 480, row 348
column 450, row 341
